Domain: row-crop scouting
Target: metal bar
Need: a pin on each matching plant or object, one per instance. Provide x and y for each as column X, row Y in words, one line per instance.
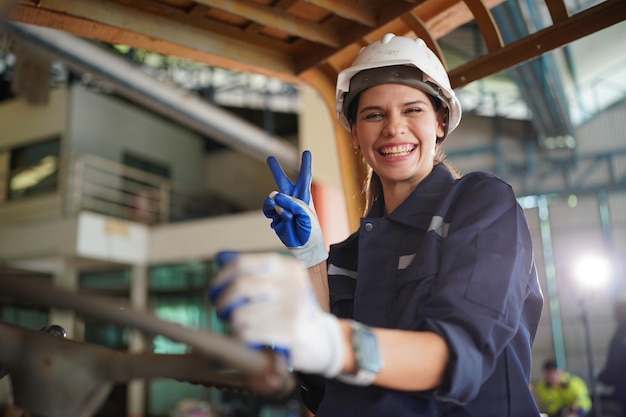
column 551, row 282
column 229, row 351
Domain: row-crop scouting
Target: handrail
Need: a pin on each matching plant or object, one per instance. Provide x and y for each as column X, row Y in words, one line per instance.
column 87, row 182
column 108, row 187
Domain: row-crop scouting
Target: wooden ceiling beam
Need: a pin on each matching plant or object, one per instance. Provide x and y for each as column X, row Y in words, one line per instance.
column 575, row 27
column 558, row 10
column 276, row 19
column 443, row 16
column 486, row 24
column 119, row 24
column 353, row 171
column 284, row 4
column 143, row 28
column 349, row 10
column 387, row 16
column 430, row 14
column 415, row 24
column 199, row 46
column 196, row 17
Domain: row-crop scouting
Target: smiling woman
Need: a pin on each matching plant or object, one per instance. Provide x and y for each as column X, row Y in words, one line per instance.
column 431, row 307
column 402, row 64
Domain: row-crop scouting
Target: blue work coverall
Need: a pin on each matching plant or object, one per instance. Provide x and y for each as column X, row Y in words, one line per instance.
column 455, row 258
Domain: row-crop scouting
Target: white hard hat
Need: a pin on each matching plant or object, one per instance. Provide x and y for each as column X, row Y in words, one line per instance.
column 405, row 55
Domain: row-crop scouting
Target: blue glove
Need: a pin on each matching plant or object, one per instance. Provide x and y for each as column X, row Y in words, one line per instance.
column 293, row 215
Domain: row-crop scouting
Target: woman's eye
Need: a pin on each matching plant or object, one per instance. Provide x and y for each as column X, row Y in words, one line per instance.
column 374, row 116
column 413, row 110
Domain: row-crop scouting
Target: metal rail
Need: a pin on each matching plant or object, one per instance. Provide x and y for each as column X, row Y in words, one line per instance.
column 55, row 377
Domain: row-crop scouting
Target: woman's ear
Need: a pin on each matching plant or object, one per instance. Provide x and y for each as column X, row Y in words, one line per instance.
column 355, row 138
column 442, row 123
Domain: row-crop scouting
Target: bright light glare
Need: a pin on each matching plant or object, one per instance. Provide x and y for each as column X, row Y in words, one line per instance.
column 592, row 271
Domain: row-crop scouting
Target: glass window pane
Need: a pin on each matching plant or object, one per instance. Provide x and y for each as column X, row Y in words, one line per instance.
column 34, row 169
column 20, row 310
column 178, row 294
column 111, row 284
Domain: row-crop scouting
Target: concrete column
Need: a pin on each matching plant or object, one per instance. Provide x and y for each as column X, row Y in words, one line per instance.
column 67, row 278
column 138, row 300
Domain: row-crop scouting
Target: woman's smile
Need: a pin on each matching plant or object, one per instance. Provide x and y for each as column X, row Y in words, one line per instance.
column 395, row 151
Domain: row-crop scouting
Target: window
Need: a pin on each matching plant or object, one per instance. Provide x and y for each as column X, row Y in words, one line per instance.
column 33, row 169
column 178, row 294
column 22, row 311
column 112, row 284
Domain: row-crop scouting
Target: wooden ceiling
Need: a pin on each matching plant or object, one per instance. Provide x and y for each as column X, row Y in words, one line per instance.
column 307, row 41
column 287, row 38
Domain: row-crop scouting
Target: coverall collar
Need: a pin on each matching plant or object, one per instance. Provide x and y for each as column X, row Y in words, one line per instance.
column 417, row 210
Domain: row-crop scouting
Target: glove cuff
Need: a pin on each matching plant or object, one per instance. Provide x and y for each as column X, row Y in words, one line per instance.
column 309, row 254
column 335, row 341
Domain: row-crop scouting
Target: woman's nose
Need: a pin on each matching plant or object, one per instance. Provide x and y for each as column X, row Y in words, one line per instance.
column 394, row 126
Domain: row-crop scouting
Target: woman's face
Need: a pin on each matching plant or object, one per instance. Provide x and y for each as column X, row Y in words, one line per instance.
column 396, row 127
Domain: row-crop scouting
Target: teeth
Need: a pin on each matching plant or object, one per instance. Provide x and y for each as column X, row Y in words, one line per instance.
column 400, row 150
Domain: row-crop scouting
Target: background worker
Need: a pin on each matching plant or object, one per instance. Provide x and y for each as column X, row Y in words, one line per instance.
column 562, row 394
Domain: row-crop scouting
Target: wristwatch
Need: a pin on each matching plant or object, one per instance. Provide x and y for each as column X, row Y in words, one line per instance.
column 366, row 355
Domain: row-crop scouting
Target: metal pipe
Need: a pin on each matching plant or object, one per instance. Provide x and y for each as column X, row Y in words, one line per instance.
column 538, row 80
column 551, row 283
column 227, row 350
column 166, row 99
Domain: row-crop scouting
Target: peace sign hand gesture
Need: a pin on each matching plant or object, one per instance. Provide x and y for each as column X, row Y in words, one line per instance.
column 293, row 215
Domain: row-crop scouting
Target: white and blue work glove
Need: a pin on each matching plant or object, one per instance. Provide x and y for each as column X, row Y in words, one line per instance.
column 293, row 215
column 269, row 302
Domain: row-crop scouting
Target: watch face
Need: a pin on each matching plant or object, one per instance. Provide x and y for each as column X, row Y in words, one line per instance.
column 366, row 354
column 369, row 355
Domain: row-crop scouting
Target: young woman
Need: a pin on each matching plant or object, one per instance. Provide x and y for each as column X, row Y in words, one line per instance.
column 434, row 302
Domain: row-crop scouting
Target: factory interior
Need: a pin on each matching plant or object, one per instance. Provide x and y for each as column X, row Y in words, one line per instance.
column 133, row 143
